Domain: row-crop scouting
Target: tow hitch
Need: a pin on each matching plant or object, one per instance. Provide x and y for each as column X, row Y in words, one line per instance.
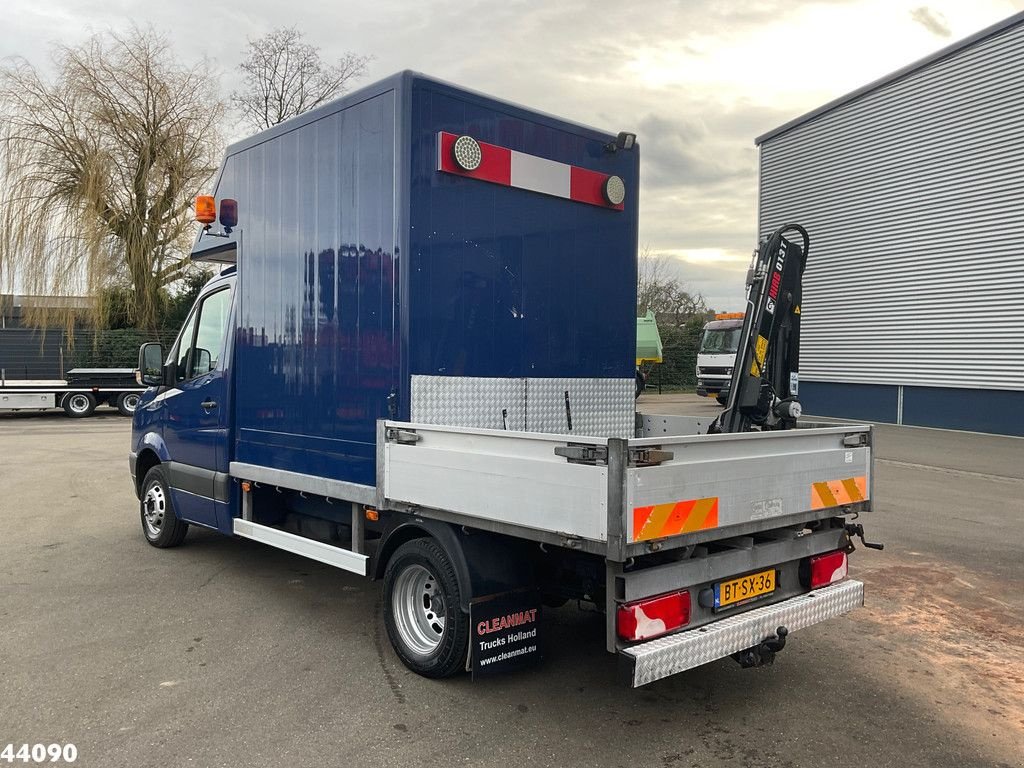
column 763, row 653
column 858, row 531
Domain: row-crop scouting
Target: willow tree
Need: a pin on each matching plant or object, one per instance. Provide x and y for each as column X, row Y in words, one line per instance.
column 99, row 164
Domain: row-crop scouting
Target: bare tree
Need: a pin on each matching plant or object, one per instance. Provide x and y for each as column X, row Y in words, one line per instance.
column 284, row 77
column 98, row 167
column 659, row 290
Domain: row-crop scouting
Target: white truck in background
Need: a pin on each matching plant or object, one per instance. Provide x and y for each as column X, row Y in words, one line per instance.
column 716, row 354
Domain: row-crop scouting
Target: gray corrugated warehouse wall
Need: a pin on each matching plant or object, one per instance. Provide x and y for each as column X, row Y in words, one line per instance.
column 913, row 192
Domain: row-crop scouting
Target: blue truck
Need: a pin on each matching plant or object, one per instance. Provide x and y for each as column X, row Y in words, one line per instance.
column 417, row 364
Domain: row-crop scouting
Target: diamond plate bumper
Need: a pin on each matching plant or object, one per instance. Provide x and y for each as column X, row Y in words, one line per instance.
column 675, row 653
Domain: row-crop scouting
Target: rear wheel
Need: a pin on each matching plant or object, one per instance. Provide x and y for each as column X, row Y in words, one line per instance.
column 160, row 524
column 78, row 405
column 127, row 402
column 422, row 610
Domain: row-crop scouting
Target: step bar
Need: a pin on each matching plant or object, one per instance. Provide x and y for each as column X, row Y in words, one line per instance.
column 315, row 550
column 666, row 656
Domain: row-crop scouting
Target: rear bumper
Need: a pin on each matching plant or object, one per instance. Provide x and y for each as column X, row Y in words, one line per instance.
column 666, row 656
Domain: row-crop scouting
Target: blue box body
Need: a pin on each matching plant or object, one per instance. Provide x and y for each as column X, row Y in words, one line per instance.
column 361, row 265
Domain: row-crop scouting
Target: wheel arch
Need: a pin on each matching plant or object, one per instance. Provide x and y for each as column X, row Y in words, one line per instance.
column 484, row 563
column 147, row 459
column 442, row 533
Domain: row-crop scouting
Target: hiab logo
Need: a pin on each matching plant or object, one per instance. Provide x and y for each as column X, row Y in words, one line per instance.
column 773, row 288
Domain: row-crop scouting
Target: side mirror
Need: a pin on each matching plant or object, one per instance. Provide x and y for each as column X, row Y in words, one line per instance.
column 201, row 366
column 151, row 365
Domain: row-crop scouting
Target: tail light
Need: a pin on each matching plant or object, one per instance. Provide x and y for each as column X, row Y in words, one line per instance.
column 822, row 570
column 645, row 619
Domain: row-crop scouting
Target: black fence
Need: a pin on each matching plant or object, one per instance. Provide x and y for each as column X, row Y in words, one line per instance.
column 27, row 353
column 678, row 371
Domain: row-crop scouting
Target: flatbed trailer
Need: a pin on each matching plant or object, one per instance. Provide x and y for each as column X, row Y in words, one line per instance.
column 79, row 395
column 420, row 368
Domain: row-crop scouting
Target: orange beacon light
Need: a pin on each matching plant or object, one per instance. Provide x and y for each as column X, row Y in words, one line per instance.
column 206, row 209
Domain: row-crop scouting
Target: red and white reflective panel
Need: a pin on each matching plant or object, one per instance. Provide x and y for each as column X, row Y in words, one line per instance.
column 500, row 165
column 828, row 569
column 653, row 617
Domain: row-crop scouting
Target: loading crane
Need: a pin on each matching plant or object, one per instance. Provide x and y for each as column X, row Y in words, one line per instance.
column 765, row 377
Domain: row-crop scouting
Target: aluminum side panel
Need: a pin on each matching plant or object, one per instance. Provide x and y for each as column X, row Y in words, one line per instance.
column 752, row 477
column 17, row 400
column 506, row 478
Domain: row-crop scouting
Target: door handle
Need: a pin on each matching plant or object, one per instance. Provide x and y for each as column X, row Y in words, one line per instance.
column 209, row 404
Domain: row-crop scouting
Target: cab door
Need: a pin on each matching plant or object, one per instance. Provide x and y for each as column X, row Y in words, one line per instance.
column 196, row 420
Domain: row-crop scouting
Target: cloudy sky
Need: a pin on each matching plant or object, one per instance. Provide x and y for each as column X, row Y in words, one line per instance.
column 697, row 80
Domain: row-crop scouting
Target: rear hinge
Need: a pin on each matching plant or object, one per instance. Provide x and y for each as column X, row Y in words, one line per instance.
column 401, row 436
column 648, row 457
column 598, row 454
column 583, row 454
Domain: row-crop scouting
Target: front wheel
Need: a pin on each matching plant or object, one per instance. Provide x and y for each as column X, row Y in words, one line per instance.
column 160, row 524
column 722, row 399
column 127, row 402
column 78, row 405
column 422, row 610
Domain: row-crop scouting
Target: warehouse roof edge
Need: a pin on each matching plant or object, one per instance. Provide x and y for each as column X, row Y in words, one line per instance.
column 942, row 53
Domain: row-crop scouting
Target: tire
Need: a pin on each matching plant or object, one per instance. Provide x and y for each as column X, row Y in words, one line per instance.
column 421, row 588
column 160, row 525
column 126, row 403
column 722, row 400
column 78, row 405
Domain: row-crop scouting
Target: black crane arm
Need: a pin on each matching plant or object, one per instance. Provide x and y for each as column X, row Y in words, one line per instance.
column 763, row 393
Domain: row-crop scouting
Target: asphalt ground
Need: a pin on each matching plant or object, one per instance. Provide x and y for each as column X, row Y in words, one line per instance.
column 224, row 652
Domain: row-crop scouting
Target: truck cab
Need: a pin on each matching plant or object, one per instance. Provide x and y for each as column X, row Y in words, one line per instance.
column 716, row 353
column 182, row 421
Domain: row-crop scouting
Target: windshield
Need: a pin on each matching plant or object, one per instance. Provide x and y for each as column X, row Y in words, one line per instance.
column 721, row 342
